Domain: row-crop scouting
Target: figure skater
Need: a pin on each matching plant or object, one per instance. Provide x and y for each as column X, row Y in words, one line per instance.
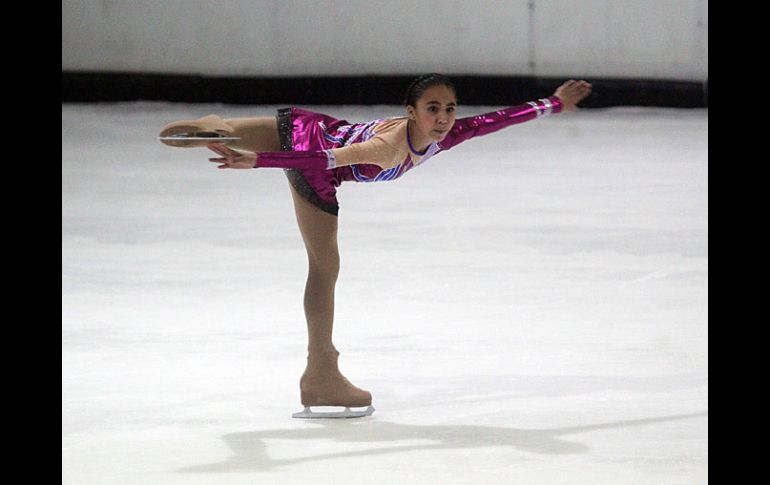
column 318, row 153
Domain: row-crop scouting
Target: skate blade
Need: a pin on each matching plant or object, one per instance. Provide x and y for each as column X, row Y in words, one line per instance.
column 308, row 413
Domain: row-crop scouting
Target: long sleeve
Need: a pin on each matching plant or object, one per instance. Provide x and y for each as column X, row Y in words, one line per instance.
column 484, row 124
column 316, row 159
column 375, row 151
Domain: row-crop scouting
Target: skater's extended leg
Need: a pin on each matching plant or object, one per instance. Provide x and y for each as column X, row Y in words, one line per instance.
column 257, row 134
column 322, row 384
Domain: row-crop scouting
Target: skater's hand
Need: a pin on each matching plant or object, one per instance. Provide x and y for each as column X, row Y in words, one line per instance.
column 571, row 93
column 230, row 158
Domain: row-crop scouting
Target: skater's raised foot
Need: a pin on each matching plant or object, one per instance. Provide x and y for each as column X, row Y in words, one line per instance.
column 184, row 133
column 322, row 384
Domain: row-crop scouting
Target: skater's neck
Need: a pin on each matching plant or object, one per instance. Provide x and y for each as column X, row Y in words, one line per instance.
column 417, row 142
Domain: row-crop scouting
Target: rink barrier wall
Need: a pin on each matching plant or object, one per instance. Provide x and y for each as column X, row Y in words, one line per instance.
column 95, row 87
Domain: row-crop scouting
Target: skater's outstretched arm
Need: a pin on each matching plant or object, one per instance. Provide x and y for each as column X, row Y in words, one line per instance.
column 566, row 98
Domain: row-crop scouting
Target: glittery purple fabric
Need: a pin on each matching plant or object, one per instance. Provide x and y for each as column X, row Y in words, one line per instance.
column 300, row 131
column 484, row 124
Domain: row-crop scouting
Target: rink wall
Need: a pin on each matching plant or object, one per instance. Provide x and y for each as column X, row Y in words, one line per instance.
column 138, row 49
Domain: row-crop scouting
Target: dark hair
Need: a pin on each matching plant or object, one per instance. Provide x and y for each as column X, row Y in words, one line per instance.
column 418, row 87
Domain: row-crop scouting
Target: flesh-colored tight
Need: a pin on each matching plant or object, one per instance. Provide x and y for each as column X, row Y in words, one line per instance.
column 319, row 233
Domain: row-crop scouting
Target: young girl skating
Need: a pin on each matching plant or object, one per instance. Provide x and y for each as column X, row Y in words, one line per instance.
column 318, row 153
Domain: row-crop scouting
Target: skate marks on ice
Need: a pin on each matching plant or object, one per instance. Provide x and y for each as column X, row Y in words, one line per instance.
column 250, row 448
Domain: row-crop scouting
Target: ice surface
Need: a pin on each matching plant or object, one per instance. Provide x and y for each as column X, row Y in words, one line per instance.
column 529, row 307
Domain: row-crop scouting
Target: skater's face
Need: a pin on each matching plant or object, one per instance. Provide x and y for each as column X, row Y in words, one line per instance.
column 434, row 113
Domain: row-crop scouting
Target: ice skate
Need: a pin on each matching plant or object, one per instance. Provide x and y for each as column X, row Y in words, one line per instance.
column 197, row 133
column 322, row 385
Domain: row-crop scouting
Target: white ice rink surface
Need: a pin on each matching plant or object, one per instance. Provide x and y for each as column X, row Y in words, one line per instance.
column 530, row 307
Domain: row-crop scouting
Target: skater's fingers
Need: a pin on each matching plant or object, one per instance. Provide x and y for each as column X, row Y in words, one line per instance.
column 217, row 151
column 229, row 152
column 220, row 149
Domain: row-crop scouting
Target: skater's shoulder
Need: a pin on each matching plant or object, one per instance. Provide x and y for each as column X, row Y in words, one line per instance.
column 390, row 124
column 392, row 131
column 396, row 125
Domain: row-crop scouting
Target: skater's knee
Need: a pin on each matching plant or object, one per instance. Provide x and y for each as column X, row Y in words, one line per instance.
column 325, row 265
column 256, row 134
